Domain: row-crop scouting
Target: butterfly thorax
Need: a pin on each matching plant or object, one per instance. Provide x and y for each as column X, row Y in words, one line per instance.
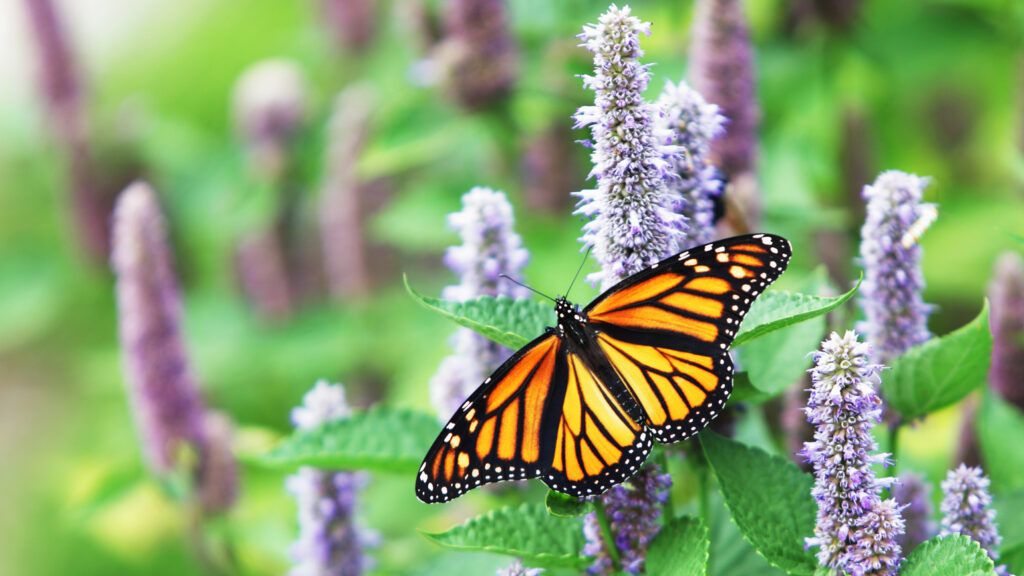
column 571, row 322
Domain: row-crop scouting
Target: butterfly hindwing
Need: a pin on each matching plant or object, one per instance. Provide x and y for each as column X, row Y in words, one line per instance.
column 500, row 432
column 666, row 331
column 597, row 442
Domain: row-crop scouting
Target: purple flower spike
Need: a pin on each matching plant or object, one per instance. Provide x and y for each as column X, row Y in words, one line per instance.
column 896, row 315
column 966, row 510
column 914, row 496
column 634, row 513
column 856, row 530
column 722, row 69
column 1007, row 318
column 490, row 247
column 631, row 224
column 478, row 55
column 163, row 385
column 330, row 541
column 691, row 124
column 270, row 101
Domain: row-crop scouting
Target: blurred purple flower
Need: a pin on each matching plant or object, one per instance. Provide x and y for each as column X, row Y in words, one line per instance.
column 262, row 273
column 330, row 541
column 913, row 494
column 691, row 124
column 896, row 315
column 634, row 514
column 163, row 386
column 631, row 225
column 270, row 102
column 722, row 69
column 352, row 23
column 490, row 247
column 516, row 568
column 478, row 54
column 60, row 86
column 1006, row 292
column 342, row 205
column 856, row 530
column 966, row 509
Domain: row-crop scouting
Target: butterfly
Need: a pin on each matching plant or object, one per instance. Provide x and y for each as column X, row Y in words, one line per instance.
column 579, row 406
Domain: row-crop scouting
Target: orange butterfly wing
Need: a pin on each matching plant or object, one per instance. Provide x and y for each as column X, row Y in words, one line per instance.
column 499, row 433
column 666, row 331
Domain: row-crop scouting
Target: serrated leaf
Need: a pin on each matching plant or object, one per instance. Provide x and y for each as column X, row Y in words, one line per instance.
column 380, row 439
column 507, row 321
column 778, row 359
column 566, row 506
column 999, row 424
column 731, row 554
column 769, row 498
column 680, row 548
column 778, row 309
column 948, row 556
column 941, row 371
column 526, row 531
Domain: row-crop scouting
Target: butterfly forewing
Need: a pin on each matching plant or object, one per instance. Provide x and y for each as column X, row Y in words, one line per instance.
column 666, row 331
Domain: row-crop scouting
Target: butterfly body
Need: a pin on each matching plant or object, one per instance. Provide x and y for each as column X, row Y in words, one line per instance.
column 579, row 406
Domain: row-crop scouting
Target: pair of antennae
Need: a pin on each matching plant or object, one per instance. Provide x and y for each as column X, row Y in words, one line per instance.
column 571, row 284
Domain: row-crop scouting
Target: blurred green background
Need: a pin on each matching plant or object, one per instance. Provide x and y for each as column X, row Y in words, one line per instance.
column 931, row 87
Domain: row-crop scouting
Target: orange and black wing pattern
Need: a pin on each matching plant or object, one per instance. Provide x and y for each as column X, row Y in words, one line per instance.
column 499, row 433
column 599, row 440
column 666, row 331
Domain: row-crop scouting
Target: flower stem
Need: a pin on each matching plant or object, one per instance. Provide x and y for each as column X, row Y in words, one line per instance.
column 606, row 532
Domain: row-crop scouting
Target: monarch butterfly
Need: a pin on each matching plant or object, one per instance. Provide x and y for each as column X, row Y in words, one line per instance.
column 579, row 406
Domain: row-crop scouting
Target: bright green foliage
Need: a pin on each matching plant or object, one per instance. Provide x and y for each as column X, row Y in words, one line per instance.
column 1000, row 428
column 774, row 310
column 526, row 531
column 950, row 556
column 509, row 322
column 941, row 371
column 380, row 439
column 566, row 506
column 769, row 498
column 679, row 549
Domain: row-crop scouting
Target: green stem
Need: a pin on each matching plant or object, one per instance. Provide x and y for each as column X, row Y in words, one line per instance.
column 703, row 482
column 669, row 506
column 606, row 532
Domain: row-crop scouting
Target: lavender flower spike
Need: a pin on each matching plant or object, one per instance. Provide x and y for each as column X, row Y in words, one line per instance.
column 631, row 225
column 479, row 55
column 634, row 513
column 1006, row 292
column 913, row 494
column 329, row 542
column 691, row 123
column 270, row 102
column 896, row 315
column 966, row 509
column 856, row 530
column 163, row 387
column 516, row 568
column 490, row 247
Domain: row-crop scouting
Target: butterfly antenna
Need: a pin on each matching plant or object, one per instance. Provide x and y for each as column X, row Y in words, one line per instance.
column 514, row 281
column 578, row 270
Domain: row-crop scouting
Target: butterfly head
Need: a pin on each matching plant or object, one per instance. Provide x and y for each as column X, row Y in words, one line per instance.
column 566, row 310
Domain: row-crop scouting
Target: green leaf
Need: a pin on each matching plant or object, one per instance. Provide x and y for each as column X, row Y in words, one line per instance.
column 949, row 556
column 778, row 309
column 941, row 371
column 999, row 424
column 526, row 531
column 769, row 498
column 743, row 390
column 509, row 322
column 681, row 548
column 566, row 506
column 777, row 360
column 730, row 553
column 1013, row 557
column 380, row 439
